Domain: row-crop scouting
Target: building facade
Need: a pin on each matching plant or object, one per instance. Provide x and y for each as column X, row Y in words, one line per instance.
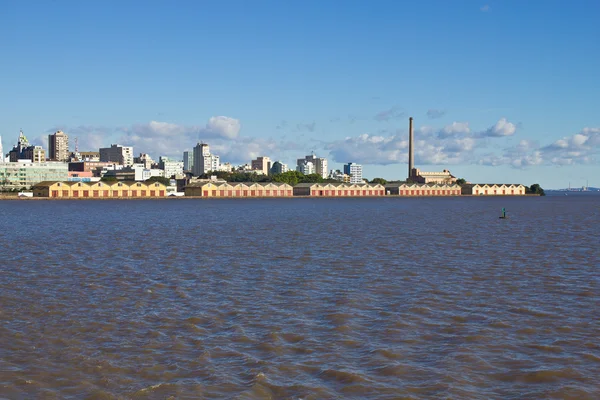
column 89, row 156
column 204, row 162
column 122, row 155
column 354, row 171
column 262, row 164
column 16, row 153
column 58, row 146
column 34, row 153
column 339, row 189
column 172, row 168
column 278, row 168
column 25, row 151
column 188, row 160
column 420, row 189
column 493, row 189
column 96, row 190
column 25, row 173
column 145, row 160
column 319, row 165
column 418, row 176
column 238, row 189
column 339, row 176
column 306, row 167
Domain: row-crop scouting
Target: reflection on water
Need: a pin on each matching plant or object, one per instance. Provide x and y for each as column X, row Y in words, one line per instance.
column 299, row 298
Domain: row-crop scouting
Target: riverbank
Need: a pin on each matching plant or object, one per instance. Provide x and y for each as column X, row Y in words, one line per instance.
column 15, row 197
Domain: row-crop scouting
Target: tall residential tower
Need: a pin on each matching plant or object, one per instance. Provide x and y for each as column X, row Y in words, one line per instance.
column 58, row 146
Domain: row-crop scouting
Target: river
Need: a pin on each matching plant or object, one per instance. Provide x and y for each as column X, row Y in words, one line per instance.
column 300, row 298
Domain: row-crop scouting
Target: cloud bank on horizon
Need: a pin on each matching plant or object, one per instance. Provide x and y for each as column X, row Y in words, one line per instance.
column 453, row 144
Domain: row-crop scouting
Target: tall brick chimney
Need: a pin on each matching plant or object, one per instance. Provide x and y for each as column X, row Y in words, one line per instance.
column 411, row 153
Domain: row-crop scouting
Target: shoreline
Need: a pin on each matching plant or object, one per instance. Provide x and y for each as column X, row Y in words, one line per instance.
column 258, row 198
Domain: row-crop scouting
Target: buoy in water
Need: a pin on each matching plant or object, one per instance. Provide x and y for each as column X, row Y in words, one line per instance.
column 503, row 216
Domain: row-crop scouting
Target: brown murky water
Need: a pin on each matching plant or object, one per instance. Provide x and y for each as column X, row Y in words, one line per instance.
column 300, row 299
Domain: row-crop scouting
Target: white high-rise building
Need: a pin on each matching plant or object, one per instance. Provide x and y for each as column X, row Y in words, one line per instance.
column 306, row 168
column 170, row 167
column 122, row 155
column 204, row 162
column 1, row 151
column 215, row 162
column 355, row 172
column 319, row 165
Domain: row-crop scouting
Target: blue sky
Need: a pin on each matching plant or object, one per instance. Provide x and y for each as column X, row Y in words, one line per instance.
column 501, row 91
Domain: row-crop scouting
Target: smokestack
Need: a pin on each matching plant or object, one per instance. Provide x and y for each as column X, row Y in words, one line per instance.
column 411, row 154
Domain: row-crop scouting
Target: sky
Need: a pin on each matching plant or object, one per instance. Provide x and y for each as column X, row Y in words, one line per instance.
column 500, row 91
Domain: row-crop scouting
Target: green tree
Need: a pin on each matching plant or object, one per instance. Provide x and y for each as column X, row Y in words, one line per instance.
column 461, row 181
column 109, row 179
column 536, row 189
column 380, row 181
column 311, row 178
column 289, row 177
column 159, row 179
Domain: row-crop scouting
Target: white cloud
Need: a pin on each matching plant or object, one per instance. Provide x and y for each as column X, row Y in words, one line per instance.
column 455, row 129
column 221, row 126
column 580, row 148
column 164, row 138
column 455, row 143
column 386, row 150
column 501, row 128
column 243, row 150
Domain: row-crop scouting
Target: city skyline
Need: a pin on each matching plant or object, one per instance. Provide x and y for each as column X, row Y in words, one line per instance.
column 499, row 91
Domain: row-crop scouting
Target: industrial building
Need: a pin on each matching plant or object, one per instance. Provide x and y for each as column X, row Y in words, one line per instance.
column 84, row 190
column 338, row 189
column 493, row 189
column 415, row 175
column 418, row 189
column 238, row 189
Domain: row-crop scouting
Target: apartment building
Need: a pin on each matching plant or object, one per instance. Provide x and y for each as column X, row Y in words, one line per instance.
column 122, row 155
